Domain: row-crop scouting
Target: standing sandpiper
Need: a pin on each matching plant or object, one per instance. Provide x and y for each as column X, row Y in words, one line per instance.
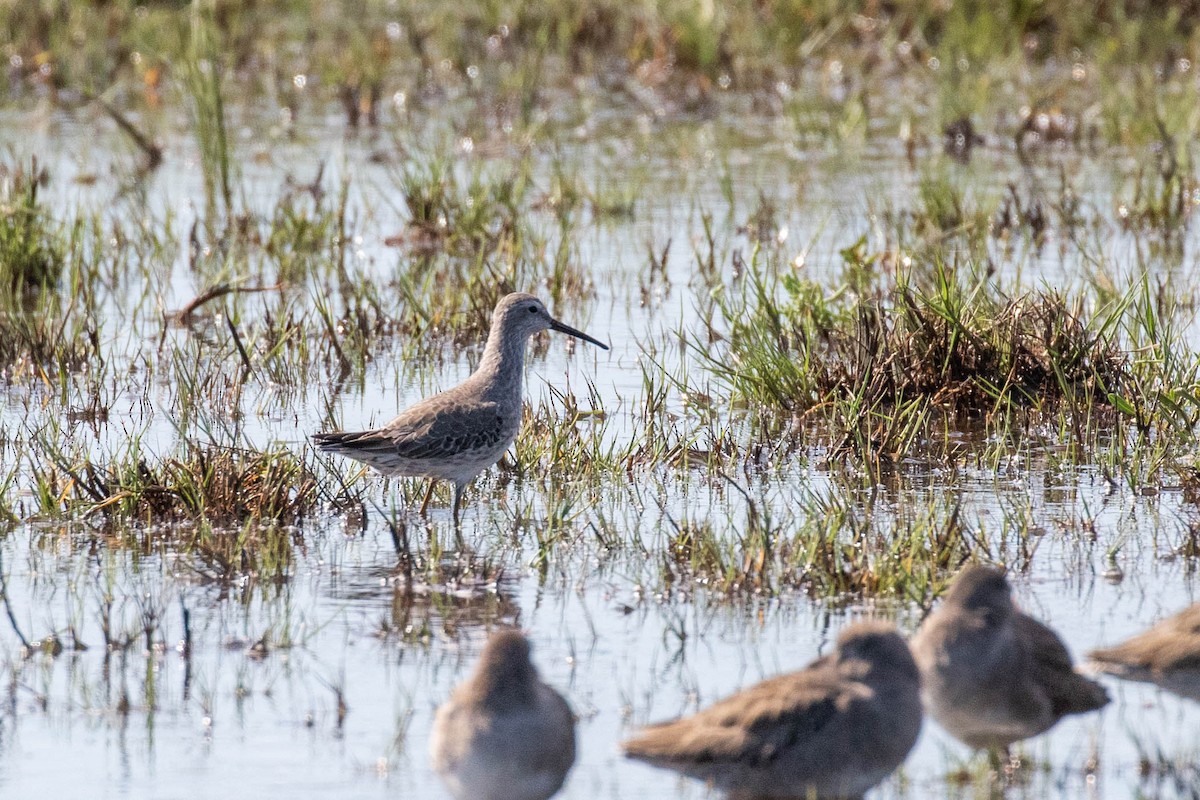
column 833, row 730
column 461, row 432
column 504, row 735
column 992, row 675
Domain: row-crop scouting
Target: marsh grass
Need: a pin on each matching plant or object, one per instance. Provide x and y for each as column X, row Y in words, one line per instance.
column 886, row 368
column 567, row 429
column 856, row 549
column 41, row 331
column 840, row 544
column 515, row 64
column 33, row 340
column 31, row 253
column 221, row 485
column 468, row 241
column 916, row 355
column 307, row 231
column 203, row 79
column 1163, row 196
column 877, row 367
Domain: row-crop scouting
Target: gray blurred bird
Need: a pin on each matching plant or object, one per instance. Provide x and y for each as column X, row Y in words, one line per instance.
column 461, row 432
column 503, row 735
column 832, row 730
column 992, row 675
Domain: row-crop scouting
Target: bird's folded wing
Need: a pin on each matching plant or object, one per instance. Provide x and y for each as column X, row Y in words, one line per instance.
column 425, row 434
column 754, row 726
column 1068, row 691
column 1173, row 644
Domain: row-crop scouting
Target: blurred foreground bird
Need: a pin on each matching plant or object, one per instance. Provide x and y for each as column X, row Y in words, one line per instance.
column 832, row 730
column 1167, row 654
column 504, row 735
column 992, row 675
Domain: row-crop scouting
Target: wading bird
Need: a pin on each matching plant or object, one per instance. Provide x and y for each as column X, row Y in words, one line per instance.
column 459, row 433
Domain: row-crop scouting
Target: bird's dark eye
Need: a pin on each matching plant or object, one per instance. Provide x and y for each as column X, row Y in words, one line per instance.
column 533, row 309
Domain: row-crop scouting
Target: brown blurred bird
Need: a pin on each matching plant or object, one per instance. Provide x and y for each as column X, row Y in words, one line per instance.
column 832, row 730
column 1167, row 654
column 992, row 675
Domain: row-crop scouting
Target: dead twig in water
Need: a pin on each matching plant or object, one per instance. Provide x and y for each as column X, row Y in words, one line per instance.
column 237, row 340
column 185, row 649
column 153, row 153
column 184, row 315
column 12, row 618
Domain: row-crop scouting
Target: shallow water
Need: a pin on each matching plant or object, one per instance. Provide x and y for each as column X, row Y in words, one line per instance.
column 269, row 726
column 622, row 645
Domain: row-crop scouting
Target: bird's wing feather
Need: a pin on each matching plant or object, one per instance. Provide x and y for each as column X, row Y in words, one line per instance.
column 1173, row 644
column 1068, row 691
column 426, row 431
column 753, row 726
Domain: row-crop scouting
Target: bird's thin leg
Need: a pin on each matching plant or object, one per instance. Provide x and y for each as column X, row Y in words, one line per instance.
column 458, row 496
column 998, row 760
column 1004, row 765
column 428, row 497
column 1012, row 765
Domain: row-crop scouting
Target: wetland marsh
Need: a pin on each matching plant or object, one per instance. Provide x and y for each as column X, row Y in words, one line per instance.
column 887, row 291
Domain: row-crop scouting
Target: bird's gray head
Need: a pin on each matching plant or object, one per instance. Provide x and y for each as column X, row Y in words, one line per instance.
column 982, row 589
column 518, row 316
column 505, row 674
column 506, row 648
column 879, row 645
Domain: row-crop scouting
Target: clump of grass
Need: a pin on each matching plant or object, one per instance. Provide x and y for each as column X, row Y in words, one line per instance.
column 463, row 220
column 962, row 344
column 839, row 544
column 1163, row 196
column 31, row 253
column 219, row 485
column 307, row 229
column 947, row 217
column 1028, row 216
column 32, row 340
column 227, row 485
column 36, row 331
column 982, row 349
column 567, row 194
column 848, row 547
column 468, row 242
column 882, row 370
column 571, row 430
column 943, row 207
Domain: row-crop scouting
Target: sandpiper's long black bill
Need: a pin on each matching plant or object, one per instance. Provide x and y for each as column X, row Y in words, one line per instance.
column 567, row 329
